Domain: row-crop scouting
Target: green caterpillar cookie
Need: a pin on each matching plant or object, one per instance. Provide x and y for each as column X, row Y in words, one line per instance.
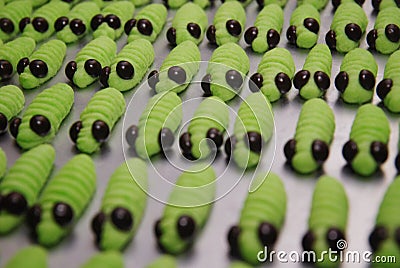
column 105, row 259
column 75, row 24
column 20, row 188
column 385, row 37
column 43, row 117
column 261, row 220
column 147, row 24
column 367, row 148
column 3, row 163
column 228, row 25
column 112, row 19
column 318, row 64
column 42, row 65
column 97, row 120
column 225, row 73
column 397, row 160
column 383, row 4
column 12, row 102
column 187, row 211
column 388, row 90
column 314, row 133
column 304, row 26
column 274, row 74
column 177, row 69
column 63, row 201
column 88, row 63
column 31, row 256
column 190, row 23
column 356, row 80
column 348, row 26
column 11, row 15
column 336, row 3
column 130, row 65
column 157, row 125
column 253, row 128
column 318, row 4
column 327, row 221
column 265, row 34
column 210, row 120
column 165, row 261
column 40, row 26
column 263, row 3
column 122, row 207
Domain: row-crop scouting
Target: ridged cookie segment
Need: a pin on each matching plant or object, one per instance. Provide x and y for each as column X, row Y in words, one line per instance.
column 31, row 256
column 53, row 103
column 389, row 88
column 14, row 11
column 318, row 4
column 165, row 261
column 26, row 178
column 52, row 54
column 105, row 259
column 70, row 189
column 12, row 102
column 383, row 4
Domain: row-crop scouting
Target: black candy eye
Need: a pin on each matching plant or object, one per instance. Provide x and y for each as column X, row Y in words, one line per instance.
column 366, row 79
column 336, row 3
column 260, row 3
column 320, row 150
column 397, row 236
column 330, row 39
column 38, row 68
column 233, row 240
column 60, row 23
column 312, row 25
column 125, row 70
column 40, row 24
column 379, row 151
column 177, row 74
column 22, row 64
column 397, row 162
column 70, row 70
column 250, row 35
column 131, row 134
column 301, row 78
column 144, row 27
column 14, row 126
column 267, row 234
column 210, row 34
column 234, row 79
column 157, row 229
column 283, row 83
column 229, row 145
column 63, row 214
column 290, row 149
column 96, row 21
column 6, row 70
column 233, row 27
column 22, row 23
column 185, row 144
column 113, row 21
column 216, row 136
column 384, row 88
column 129, row 26
column 153, row 79
column 165, row 138
column 6, row 25
column 392, row 32
column 376, row 237
column 77, row 26
column 254, row 141
column 353, row 32
column 273, row 38
column 74, row 130
column 333, row 236
column 322, row 80
column 122, row 219
column 308, row 241
column 186, row 227
column 40, row 125
column 371, row 39
column 256, row 82
column 97, row 223
column 105, row 75
column 93, row 67
column 33, row 216
column 15, row 203
column 342, row 81
column 291, row 34
column 194, row 29
column 205, row 85
column 171, row 36
column 100, row 130
column 349, row 150
column 3, row 123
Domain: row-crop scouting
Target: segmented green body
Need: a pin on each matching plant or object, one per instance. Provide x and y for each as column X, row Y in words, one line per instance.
column 27, row 177
column 270, row 17
column 175, row 4
column 3, row 163
column 165, row 261
column 281, row 3
column 385, row 17
column 189, row 13
column 83, row 11
column 12, row 101
column 211, row 113
column 265, row 205
column 383, row 4
column 305, row 38
column 329, row 209
column 55, row 104
column 192, row 199
column 140, row 54
column 316, row 122
column 232, row 10
column 51, row 12
column 392, row 69
column 370, row 124
column 15, row 12
column 348, row 13
column 274, row 62
column 185, row 55
column 318, row 60
column 254, row 115
column 107, row 105
column 156, row 14
column 163, row 110
column 318, row 4
column 123, row 10
column 73, row 185
column 126, row 189
column 353, row 63
column 31, row 256
column 220, row 63
column 13, row 51
column 52, row 53
column 102, row 49
column 105, row 259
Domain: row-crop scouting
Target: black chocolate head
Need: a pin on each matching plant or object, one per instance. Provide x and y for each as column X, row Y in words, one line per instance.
column 63, row 214
column 6, row 25
column 70, row 70
column 22, row 23
column 153, row 79
column 384, row 88
column 96, row 21
column 379, row 151
column 185, row 144
column 60, row 23
column 234, row 79
column 290, row 149
column 229, row 145
column 129, row 26
column 233, row 240
column 177, row 74
column 100, row 130
column 194, row 30
column 330, row 39
column 322, row 80
column 97, row 224
column 22, row 64
column 301, row 78
column 74, row 130
column 273, row 38
column 186, row 227
column 256, row 82
column 342, row 81
column 122, row 219
column 397, row 162
column 333, row 236
column 165, row 138
column 311, row 24
column 366, row 79
column 105, row 75
column 353, row 32
column 291, row 34
column 283, row 83
column 77, row 26
column 250, row 34
column 320, row 150
column 40, row 125
column 233, row 27
column 6, row 70
column 34, row 215
column 267, row 234
column 371, row 39
column 15, row 203
column 171, row 36
column 308, row 241
column 205, row 85
column 131, row 134
column 3, row 123
column 216, row 136
column 349, row 151
column 210, row 34
column 144, row 27
column 40, row 24
column 254, row 141
column 38, row 68
column 125, row 70
column 14, row 126
column 377, row 236
column 113, row 21
column 392, row 32
column 92, row 67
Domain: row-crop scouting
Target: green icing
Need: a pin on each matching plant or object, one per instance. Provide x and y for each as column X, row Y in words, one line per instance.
column 31, row 256
column 384, row 4
column 12, row 101
column 3, row 163
column 239, row 264
column 281, row 3
column 305, row 38
column 15, row 11
column 385, row 17
column 165, row 261
column 392, row 70
column 105, row 259
column 318, row 4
